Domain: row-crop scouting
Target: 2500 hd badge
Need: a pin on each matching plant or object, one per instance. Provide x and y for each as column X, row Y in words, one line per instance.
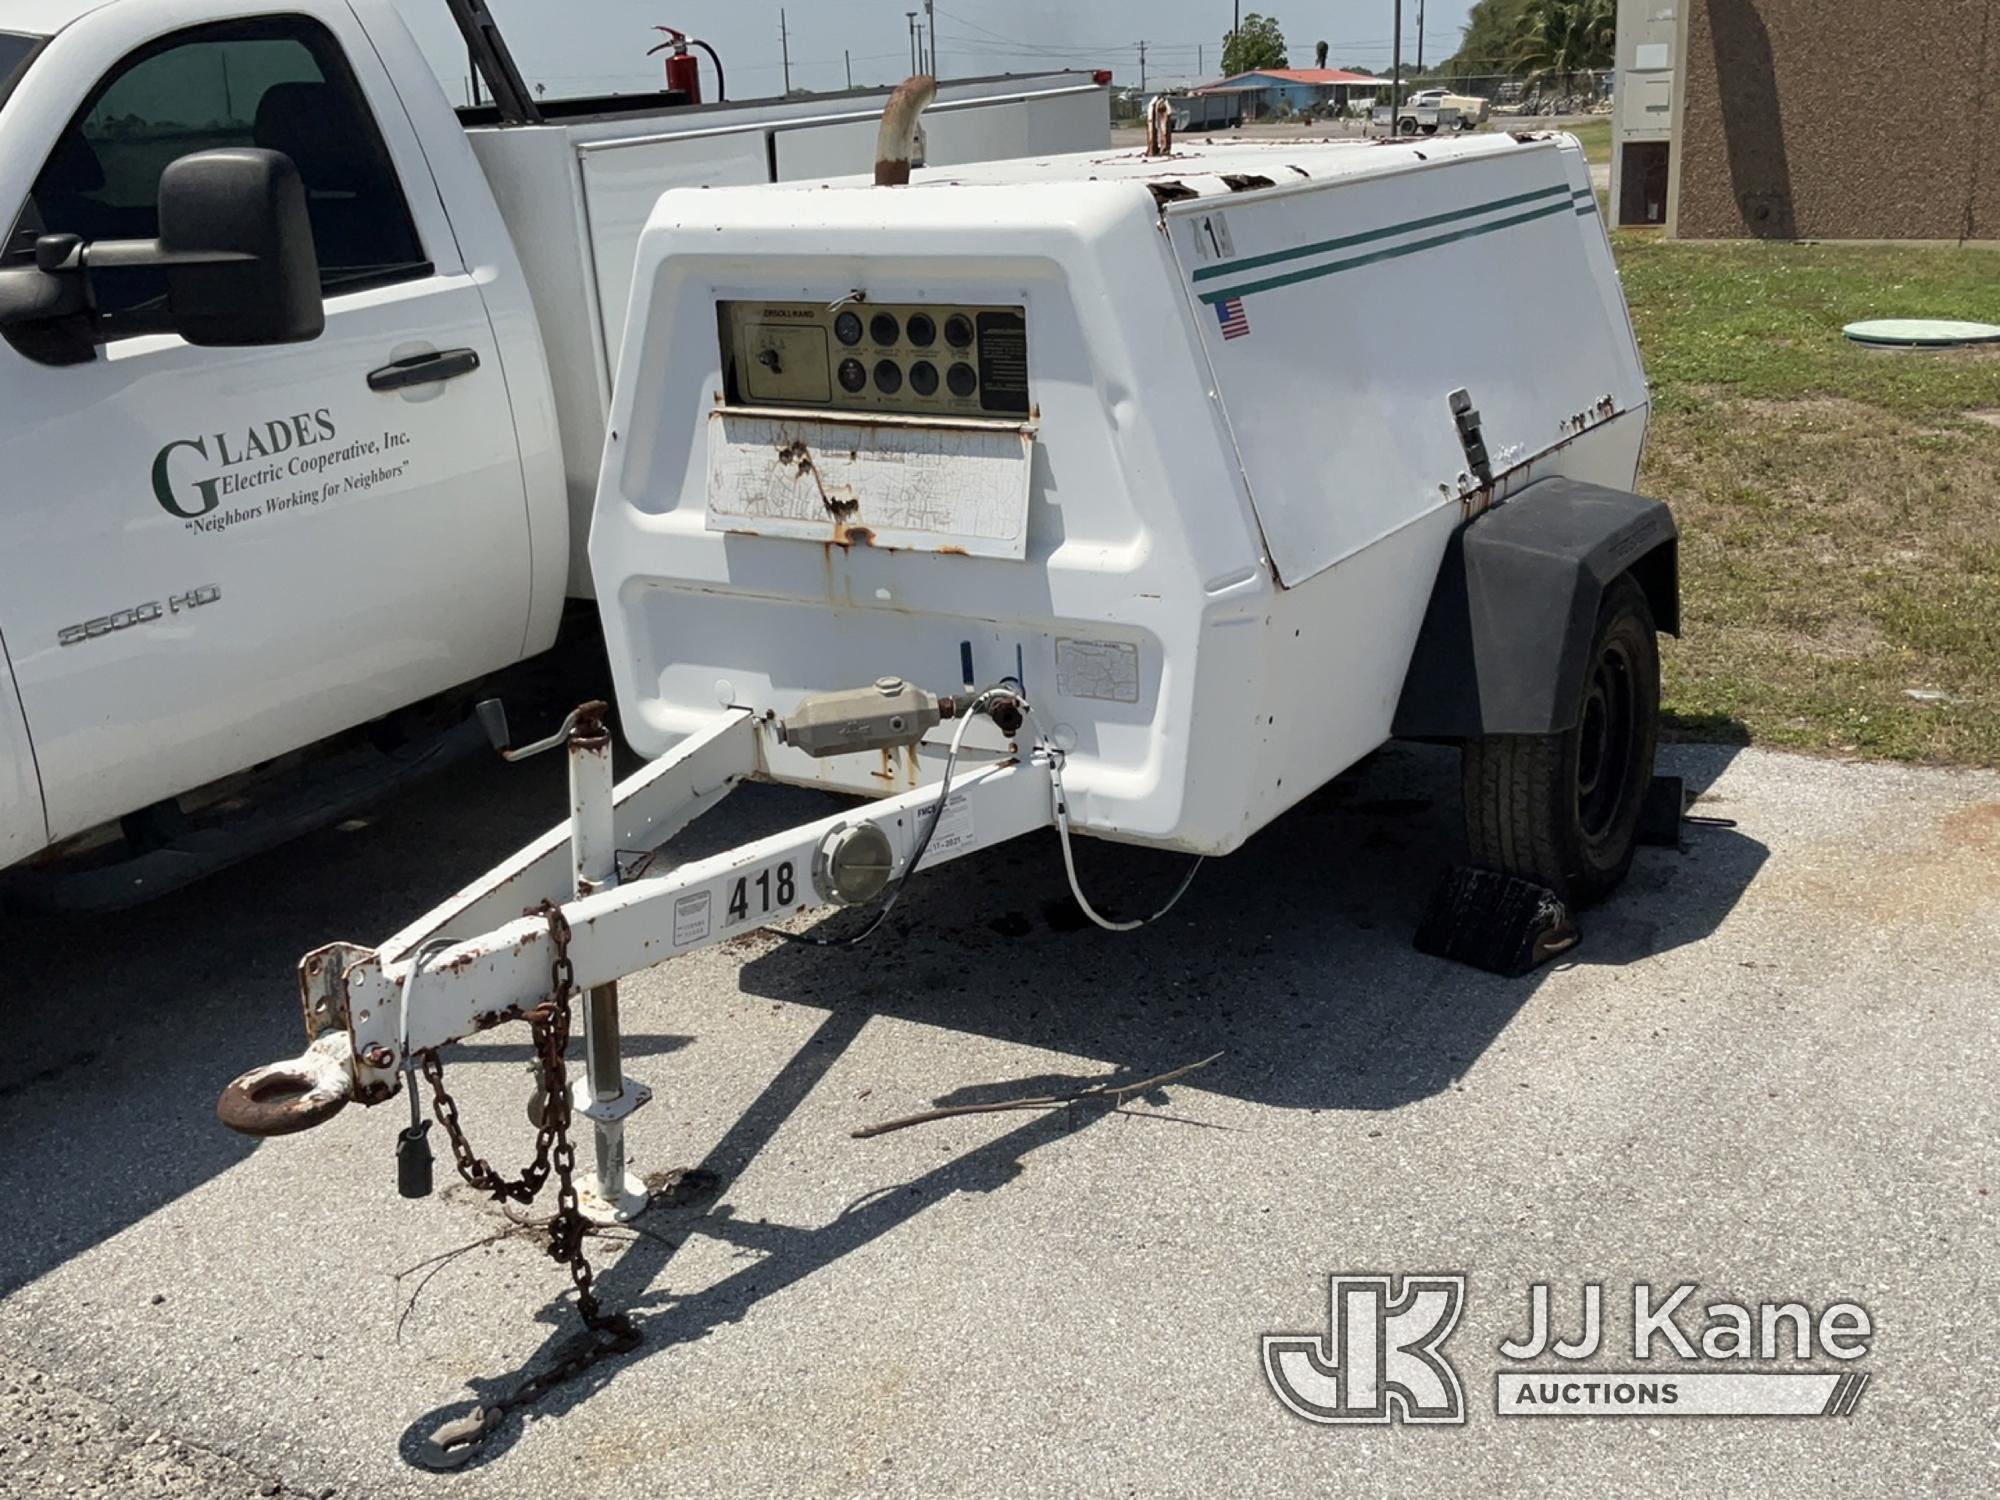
column 138, row 614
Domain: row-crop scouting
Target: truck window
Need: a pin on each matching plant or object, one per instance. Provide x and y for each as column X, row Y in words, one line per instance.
column 15, row 50
column 280, row 82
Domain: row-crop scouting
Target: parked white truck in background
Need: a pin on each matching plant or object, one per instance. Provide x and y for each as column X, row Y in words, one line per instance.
column 1431, row 110
column 242, row 519
column 1467, row 109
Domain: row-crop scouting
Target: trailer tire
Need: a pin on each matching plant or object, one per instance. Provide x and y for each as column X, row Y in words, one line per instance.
column 1563, row 809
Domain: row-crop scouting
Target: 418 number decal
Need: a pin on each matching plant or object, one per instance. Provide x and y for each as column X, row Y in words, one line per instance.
column 772, row 888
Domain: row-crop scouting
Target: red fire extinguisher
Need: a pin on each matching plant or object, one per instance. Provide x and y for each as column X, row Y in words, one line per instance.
column 683, row 75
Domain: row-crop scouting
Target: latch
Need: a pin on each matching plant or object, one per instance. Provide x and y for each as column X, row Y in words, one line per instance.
column 1470, row 438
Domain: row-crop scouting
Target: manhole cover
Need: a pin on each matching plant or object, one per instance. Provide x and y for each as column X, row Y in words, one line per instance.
column 1921, row 333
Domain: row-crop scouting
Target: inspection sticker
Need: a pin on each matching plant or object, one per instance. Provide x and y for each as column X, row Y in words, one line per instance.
column 691, row 917
column 954, row 826
column 1108, row 670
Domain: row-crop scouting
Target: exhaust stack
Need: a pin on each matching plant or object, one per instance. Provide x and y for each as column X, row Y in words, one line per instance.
column 897, row 142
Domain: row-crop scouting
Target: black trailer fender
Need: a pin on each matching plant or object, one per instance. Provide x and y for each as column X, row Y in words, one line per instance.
column 1504, row 640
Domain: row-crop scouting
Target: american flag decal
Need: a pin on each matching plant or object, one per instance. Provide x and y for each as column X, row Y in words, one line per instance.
column 1235, row 322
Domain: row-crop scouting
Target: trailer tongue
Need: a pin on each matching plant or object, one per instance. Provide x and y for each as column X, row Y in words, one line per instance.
column 373, row 1015
column 1137, row 496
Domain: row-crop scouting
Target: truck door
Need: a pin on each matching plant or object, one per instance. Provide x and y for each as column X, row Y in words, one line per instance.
column 22, row 828
column 209, row 557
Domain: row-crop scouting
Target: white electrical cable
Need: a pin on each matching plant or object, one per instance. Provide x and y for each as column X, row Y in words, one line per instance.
column 430, row 947
column 1055, row 757
column 1048, row 747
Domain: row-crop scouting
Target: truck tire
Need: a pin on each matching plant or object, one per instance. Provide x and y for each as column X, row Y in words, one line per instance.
column 1407, row 127
column 1563, row 809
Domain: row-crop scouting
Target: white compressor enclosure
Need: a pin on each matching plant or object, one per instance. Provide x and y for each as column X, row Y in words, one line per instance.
column 1171, row 441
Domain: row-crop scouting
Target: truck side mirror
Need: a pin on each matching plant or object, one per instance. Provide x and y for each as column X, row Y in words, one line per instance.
column 236, row 244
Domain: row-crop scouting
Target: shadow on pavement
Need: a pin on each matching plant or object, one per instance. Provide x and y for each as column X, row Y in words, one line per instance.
column 1292, row 956
column 118, row 1031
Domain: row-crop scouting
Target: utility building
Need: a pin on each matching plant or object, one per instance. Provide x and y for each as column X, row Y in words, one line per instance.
column 1642, row 120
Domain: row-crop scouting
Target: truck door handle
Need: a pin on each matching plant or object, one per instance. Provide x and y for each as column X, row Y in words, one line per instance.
column 423, row 369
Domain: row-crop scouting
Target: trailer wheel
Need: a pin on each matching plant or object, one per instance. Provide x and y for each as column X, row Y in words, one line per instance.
column 1563, row 809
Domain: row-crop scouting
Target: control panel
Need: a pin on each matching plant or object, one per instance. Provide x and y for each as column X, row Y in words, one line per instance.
column 915, row 359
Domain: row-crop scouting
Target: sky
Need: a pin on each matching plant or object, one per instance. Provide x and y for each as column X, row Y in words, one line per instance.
column 598, row 46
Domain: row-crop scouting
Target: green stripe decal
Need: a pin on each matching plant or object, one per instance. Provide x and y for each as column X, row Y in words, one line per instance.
column 1252, row 262
column 1394, row 252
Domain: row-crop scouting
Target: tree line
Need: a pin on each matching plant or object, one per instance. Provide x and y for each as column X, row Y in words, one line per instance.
column 1537, row 41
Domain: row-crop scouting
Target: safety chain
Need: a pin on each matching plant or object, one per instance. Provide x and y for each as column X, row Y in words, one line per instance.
column 453, row 1443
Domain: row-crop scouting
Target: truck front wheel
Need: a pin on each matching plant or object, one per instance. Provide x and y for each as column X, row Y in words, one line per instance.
column 1563, row 809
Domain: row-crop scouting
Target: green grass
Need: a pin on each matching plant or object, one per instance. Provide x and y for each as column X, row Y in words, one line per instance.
column 1595, row 138
column 1764, row 320
column 1839, row 534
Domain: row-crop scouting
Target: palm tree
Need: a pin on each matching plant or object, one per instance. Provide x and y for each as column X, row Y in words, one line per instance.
column 1562, row 38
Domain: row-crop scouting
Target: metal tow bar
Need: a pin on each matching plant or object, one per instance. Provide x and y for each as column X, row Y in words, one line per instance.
column 379, row 1017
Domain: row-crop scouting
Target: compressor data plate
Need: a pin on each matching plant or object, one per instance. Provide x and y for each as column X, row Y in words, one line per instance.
column 939, row 485
column 918, row 359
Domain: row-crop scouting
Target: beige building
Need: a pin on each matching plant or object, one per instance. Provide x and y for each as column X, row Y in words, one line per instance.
column 1777, row 136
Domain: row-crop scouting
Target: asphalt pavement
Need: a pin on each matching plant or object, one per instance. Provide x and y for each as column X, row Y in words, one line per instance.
column 1770, row 1069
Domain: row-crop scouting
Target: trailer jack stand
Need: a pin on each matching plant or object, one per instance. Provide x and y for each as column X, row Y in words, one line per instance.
column 605, row 1097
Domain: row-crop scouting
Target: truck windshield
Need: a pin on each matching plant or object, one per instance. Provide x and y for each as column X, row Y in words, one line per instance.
column 15, row 50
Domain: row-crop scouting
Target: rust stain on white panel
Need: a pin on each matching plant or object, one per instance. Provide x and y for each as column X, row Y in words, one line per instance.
column 933, row 486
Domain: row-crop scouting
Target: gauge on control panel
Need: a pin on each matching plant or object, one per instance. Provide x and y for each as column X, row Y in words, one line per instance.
column 862, row 356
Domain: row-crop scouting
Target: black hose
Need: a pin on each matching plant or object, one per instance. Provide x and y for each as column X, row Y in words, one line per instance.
column 720, row 95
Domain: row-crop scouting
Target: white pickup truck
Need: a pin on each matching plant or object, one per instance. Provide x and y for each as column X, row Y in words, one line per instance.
column 303, row 374
column 1432, row 110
